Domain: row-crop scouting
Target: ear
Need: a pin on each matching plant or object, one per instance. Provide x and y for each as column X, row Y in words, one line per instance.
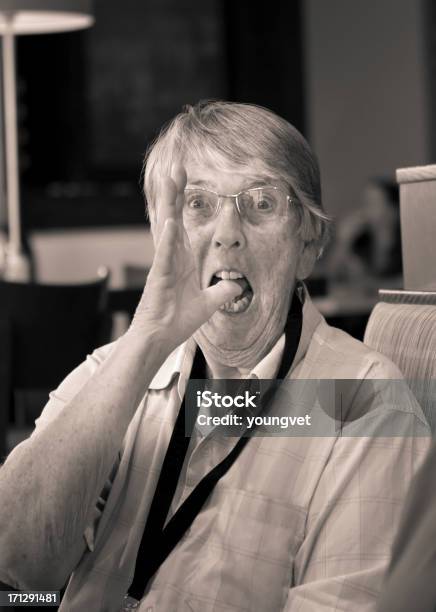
column 307, row 260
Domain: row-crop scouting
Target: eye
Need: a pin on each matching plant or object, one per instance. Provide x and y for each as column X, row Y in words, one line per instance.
column 195, row 201
column 264, row 204
column 199, row 204
column 264, row 201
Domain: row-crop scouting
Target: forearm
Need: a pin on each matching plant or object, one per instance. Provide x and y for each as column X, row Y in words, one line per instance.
column 49, row 486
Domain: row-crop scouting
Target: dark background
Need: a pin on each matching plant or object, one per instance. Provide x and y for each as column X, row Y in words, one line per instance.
column 90, row 102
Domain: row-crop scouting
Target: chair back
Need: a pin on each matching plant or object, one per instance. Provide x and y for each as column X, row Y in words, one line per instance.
column 418, row 226
column 46, row 331
column 402, row 326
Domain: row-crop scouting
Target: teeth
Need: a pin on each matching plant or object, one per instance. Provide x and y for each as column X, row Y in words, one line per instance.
column 229, row 274
column 237, row 305
column 241, row 304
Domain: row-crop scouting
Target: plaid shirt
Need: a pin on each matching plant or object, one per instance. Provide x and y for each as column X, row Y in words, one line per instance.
column 297, row 524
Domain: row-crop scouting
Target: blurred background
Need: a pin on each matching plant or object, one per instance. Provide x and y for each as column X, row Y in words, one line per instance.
column 355, row 78
column 358, row 79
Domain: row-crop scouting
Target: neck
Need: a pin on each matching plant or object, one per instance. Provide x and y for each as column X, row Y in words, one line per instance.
column 232, row 363
column 215, row 369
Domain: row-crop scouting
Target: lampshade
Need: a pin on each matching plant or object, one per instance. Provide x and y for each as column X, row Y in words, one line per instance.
column 44, row 16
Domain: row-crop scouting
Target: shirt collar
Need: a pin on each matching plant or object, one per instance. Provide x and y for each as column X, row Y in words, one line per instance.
column 180, row 360
column 311, row 319
column 269, row 365
column 171, row 366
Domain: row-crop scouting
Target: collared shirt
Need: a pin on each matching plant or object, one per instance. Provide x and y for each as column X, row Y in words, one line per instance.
column 265, row 369
column 297, row 523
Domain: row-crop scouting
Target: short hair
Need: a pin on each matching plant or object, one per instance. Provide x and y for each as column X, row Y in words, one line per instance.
column 235, row 134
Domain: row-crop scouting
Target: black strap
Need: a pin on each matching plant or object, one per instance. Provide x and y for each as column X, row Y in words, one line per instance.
column 158, row 541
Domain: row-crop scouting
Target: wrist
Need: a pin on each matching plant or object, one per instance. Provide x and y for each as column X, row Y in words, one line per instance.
column 150, row 346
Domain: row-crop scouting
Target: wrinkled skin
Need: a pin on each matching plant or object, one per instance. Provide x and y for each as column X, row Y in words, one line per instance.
column 271, row 256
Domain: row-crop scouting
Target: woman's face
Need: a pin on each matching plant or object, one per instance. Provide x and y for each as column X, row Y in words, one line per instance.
column 266, row 259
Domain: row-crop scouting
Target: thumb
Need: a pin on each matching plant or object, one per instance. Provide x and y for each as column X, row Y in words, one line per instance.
column 219, row 294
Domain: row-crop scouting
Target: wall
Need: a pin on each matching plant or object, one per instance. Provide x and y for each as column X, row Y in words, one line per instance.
column 69, row 256
column 367, row 108
column 75, row 255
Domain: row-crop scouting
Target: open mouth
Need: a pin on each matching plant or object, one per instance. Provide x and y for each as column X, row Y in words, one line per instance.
column 241, row 302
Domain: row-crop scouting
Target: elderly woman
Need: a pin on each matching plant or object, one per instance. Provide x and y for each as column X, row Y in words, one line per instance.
column 259, row 524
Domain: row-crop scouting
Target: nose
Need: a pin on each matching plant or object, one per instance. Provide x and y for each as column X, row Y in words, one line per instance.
column 228, row 232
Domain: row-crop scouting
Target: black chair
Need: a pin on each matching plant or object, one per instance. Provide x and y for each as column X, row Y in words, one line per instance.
column 45, row 332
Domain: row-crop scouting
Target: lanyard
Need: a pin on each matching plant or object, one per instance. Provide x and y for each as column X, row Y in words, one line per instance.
column 158, row 540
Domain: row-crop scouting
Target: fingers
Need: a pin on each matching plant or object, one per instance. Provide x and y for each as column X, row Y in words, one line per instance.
column 170, row 233
column 163, row 259
column 170, row 197
column 219, row 294
column 166, row 203
column 178, row 174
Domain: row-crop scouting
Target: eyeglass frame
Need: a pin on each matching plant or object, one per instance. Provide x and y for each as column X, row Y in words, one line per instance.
column 235, row 196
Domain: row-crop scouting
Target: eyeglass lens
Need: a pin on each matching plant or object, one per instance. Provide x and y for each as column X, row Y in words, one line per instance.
column 256, row 205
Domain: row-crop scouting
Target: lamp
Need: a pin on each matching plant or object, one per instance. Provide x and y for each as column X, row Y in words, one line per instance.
column 27, row 17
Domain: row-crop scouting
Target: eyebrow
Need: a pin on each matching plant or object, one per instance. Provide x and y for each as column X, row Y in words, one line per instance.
column 260, row 182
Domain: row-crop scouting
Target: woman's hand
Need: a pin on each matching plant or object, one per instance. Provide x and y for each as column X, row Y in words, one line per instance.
column 173, row 305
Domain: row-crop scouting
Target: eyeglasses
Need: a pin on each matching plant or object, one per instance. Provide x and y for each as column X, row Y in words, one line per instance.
column 257, row 205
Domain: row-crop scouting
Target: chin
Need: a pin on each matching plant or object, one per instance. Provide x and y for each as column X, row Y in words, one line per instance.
column 227, row 334
column 235, row 331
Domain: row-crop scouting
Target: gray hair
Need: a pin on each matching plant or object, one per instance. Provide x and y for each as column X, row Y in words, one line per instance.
column 233, row 134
